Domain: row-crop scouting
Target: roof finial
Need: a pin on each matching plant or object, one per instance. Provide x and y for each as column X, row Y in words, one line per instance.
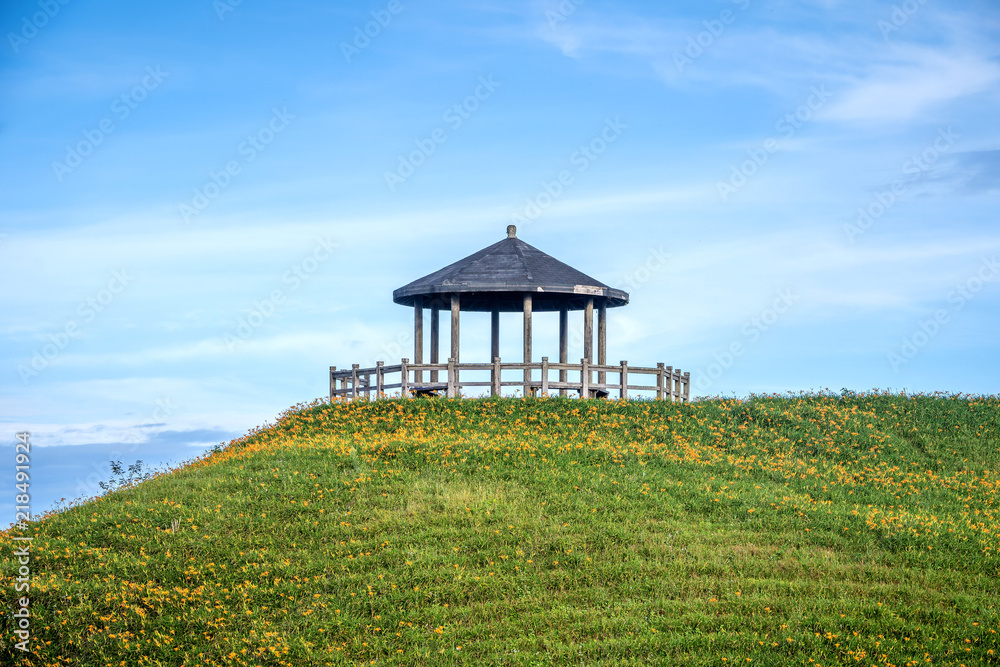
column 511, row 232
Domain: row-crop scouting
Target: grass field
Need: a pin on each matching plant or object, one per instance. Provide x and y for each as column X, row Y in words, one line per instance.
column 809, row 530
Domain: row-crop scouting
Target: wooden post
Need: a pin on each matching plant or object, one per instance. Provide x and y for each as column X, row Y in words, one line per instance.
column 435, row 337
column 494, row 333
column 418, row 337
column 584, row 378
column 456, row 308
column 687, row 388
column 495, row 387
column 333, row 382
column 545, row 376
column 404, row 379
column 494, row 348
column 563, row 345
column 602, row 334
column 659, row 381
column 379, row 379
column 452, row 380
column 670, row 383
column 623, row 392
column 527, row 343
column 354, row 381
column 588, row 330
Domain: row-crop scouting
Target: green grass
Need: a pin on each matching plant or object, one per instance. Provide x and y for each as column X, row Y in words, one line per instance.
column 810, row 530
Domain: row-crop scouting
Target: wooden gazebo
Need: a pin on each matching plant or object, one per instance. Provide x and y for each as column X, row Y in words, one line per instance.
column 508, row 276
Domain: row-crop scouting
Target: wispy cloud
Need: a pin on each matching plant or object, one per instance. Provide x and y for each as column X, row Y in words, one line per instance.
column 835, row 283
column 211, row 349
column 589, row 32
column 970, row 172
column 879, row 82
column 121, row 432
column 920, row 80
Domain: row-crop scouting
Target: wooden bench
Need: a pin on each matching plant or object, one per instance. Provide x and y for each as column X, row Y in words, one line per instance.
column 536, row 387
column 429, row 390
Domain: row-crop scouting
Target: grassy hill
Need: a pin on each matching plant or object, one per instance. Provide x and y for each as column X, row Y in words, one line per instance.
column 810, row 530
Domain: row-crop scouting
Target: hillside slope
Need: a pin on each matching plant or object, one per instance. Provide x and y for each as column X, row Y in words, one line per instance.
column 799, row 530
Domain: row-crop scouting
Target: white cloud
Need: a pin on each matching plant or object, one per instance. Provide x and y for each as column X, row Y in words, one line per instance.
column 626, row 35
column 258, row 345
column 137, row 409
column 738, row 277
column 903, row 91
column 877, row 81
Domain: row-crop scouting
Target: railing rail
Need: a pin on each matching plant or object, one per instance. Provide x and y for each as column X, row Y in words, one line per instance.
column 669, row 383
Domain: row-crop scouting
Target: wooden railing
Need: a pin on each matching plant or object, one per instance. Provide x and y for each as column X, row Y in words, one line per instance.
column 535, row 378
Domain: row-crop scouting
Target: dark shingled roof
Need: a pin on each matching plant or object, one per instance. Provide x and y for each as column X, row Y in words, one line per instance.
column 500, row 275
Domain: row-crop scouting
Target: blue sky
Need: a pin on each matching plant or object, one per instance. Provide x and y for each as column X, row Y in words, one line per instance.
column 797, row 195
